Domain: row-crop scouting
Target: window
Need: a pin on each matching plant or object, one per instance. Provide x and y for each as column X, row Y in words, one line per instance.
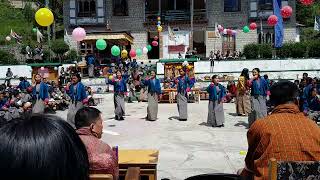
column 265, row 4
column 87, row 8
column 228, row 45
column 120, row 7
column 232, row 5
column 267, row 37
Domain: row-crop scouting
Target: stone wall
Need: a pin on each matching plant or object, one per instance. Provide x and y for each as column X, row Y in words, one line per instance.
column 245, row 38
column 140, row 41
column 216, row 14
column 133, row 22
column 289, row 34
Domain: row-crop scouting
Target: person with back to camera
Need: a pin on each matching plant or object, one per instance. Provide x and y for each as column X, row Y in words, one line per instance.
column 89, row 125
column 286, row 134
column 42, row 147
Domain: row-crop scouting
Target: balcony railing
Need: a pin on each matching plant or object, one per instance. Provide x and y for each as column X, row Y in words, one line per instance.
column 175, row 16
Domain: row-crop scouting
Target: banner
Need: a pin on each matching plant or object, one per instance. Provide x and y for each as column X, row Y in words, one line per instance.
column 278, row 28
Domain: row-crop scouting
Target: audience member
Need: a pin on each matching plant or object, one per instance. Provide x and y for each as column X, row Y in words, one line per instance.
column 42, row 147
column 286, row 134
column 89, row 125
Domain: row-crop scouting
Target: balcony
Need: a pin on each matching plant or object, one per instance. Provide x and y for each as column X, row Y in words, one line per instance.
column 176, row 16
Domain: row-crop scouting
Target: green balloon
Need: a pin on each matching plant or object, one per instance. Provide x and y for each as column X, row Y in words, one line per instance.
column 115, row 50
column 139, row 52
column 101, row 44
column 149, row 47
column 246, row 29
column 34, row 30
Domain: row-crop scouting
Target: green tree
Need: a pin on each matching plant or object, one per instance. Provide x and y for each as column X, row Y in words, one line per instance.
column 59, row 47
column 305, row 14
column 7, row 58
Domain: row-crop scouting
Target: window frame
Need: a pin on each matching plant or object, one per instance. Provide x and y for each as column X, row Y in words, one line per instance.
column 86, row 14
column 231, row 10
column 114, row 8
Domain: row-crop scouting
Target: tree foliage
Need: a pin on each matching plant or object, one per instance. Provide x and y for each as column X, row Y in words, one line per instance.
column 7, row 58
column 305, row 14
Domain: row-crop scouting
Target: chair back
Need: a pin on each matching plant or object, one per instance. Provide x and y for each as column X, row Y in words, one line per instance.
column 101, row 177
column 294, row 170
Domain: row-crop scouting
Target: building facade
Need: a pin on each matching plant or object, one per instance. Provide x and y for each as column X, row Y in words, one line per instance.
column 182, row 26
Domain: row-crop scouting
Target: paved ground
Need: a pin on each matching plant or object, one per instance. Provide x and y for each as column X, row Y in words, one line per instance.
column 186, row 148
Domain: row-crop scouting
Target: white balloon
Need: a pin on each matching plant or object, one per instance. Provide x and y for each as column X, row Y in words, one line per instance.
column 8, row 38
column 225, row 31
column 55, row 68
column 185, row 63
column 42, row 68
column 145, row 50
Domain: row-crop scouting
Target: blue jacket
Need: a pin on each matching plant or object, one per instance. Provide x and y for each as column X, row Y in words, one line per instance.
column 213, row 95
column 312, row 104
column 80, row 93
column 153, row 87
column 120, row 86
column 43, row 93
column 184, row 83
column 23, row 85
column 259, row 90
column 91, row 60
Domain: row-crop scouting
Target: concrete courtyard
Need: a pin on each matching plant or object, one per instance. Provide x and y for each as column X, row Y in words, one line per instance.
column 186, row 148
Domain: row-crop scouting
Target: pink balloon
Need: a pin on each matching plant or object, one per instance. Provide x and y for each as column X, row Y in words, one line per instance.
column 229, row 31
column 78, row 34
column 132, row 53
column 155, row 43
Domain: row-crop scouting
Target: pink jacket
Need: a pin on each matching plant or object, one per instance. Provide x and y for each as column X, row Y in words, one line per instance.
column 101, row 157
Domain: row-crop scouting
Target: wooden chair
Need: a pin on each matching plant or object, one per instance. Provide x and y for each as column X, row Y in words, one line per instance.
column 101, row 177
column 293, row 169
column 133, row 173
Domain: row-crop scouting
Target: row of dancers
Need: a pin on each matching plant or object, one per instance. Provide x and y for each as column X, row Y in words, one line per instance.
column 252, row 92
column 257, row 87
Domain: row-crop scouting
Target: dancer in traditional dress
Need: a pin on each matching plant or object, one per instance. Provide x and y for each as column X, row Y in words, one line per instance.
column 215, row 108
column 40, row 95
column 78, row 95
column 154, row 91
column 259, row 90
column 184, row 86
column 243, row 94
column 120, row 90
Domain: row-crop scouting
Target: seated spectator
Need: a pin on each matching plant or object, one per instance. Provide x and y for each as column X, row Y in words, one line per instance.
column 24, row 84
column 88, row 122
column 90, row 97
column 311, row 107
column 42, row 147
column 232, row 91
column 286, row 134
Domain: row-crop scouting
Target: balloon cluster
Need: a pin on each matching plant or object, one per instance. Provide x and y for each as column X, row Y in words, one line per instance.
column 286, row 12
column 159, row 27
column 306, row 2
column 229, row 32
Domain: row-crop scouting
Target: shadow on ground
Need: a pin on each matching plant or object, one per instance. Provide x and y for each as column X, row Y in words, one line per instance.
column 242, row 124
column 205, row 124
column 233, row 114
column 173, row 118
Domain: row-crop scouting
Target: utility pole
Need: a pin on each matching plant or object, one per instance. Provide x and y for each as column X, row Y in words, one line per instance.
column 48, row 32
column 191, row 22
